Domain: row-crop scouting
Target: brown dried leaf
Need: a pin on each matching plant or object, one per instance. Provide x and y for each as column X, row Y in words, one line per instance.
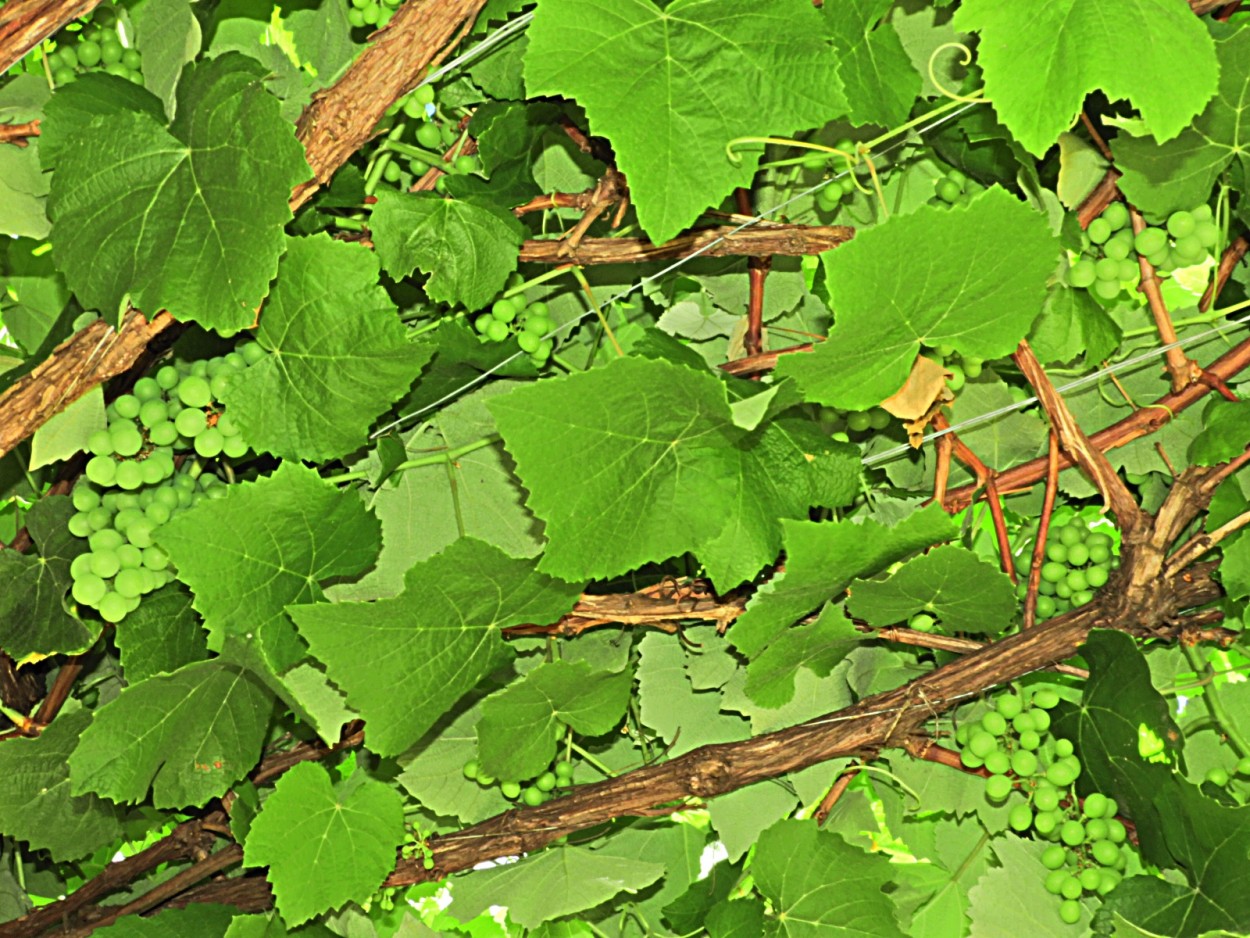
column 925, row 386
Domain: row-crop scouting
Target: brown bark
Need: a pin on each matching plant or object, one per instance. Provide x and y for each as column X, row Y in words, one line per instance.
column 26, row 23
column 762, row 240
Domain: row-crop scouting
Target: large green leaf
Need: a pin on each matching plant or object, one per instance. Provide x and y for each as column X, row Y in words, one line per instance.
column 339, row 355
column 820, row 885
column 966, row 593
column 265, row 545
column 1040, row 61
column 821, row 561
column 556, row 882
column 817, row 646
column 162, row 635
column 1179, row 174
column 325, row 844
column 516, row 735
column 23, row 187
column 35, row 802
column 671, row 87
column 168, row 36
column 881, row 84
column 186, row 217
column 404, row 662
column 33, row 620
column 467, row 250
column 188, row 736
column 975, row 279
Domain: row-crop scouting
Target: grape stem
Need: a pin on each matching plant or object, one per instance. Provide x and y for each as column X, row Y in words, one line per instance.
column 436, row 459
column 587, row 757
column 1215, row 707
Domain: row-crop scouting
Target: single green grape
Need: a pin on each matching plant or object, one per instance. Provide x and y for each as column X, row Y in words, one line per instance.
column 1070, row 911
column 1116, row 215
column 1099, row 230
column 511, row 790
column 994, row 723
column 1216, row 776
column 1181, row 224
column 998, row 762
column 922, row 622
column 533, row 797
column 545, row 782
column 471, row 769
column 1095, row 805
column 997, row 787
column 1053, row 857
column 1020, row 818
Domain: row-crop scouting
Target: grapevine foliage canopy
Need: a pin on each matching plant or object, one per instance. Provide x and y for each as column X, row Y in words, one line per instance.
column 624, row 468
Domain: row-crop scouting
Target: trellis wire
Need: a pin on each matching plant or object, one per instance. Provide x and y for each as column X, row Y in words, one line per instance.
column 513, row 27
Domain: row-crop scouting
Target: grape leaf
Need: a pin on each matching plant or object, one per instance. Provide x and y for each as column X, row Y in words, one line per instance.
column 1039, row 67
column 1164, row 178
column 1013, row 896
column 558, row 881
column 690, row 78
column 741, row 918
column 666, row 705
column 162, row 635
column 976, row 281
column 325, row 844
column 327, row 307
column 33, row 620
column 966, row 593
column 433, row 771
column 467, row 250
column 1007, row 440
column 881, row 83
column 35, row 802
column 168, row 36
column 65, row 435
column 23, row 186
column 817, row 646
column 821, row 561
column 1224, row 434
column 517, row 734
column 187, row 217
column 739, row 816
column 270, row 925
column 821, row 885
column 188, row 736
column 403, row 662
column 267, row 544
column 34, row 293
column 1072, row 324
column 199, row 921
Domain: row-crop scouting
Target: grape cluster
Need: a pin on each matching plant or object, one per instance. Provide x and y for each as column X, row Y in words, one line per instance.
column 1078, row 562
column 845, row 426
column 422, row 143
column 1110, row 249
column 830, row 197
column 532, row 793
column 960, row 367
column 98, row 47
column 526, row 324
column 952, row 188
column 1013, row 743
column 123, row 563
column 370, row 14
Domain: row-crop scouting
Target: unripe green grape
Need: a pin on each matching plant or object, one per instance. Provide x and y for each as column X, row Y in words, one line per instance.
column 1117, row 833
column 1089, row 878
column 194, row 391
column 969, row 759
column 127, row 441
column 79, row 524
column 80, row 567
column 538, row 325
column 127, row 405
column 1095, row 805
column 545, row 782
column 1064, row 748
column 829, row 197
column 957, row 377
column 948, row 190
column 1053, row 857
column 154, row 558
column 152, row 412
column 1105, row 853
column 564, row 769
column 1216, row 776
column 209, row 443
column 1039, row 718
column 1099, row 230
column 1071, row 534
column 511, row 790
column 1023, row 763
column 1054, row 572
column 100, row 518
column 1082, row 274
column 1078, row 555
column 1056, row 552
column 88, row 53
column 158, row 467
column 465, row 164
column 858, row 421
column 533, row 797
column 1029, row 740
column 1180, row 224
column 252, row 352
column 191, row 422
column 371, row 14
column 1116, row 215
column 878, row 418
column 997, row 787
column 84, row 497
column 471, row 769
column 1046, row 799
column 89, row 590
column 234, row 447
column 1108, row 881
column 391, row 172
column 1055, row 879
column 129, row 475
column 129, row 583
column 973, row 367
column 1119, row 246
column 167, row 377
column 1189, row 249
column 111, row 538
column 1081, row 598
column 1045, row 607
column 1060, row 774
column 485, row 780
column 994, row 723
column 1096, row 829
column 1076, row 580
column 1150, row 241
column 104, row 563
column 496, row 331
column 981, row 743
column 1159, row 257
column 110, row 51
column 164, row 433
column 1045, row 822
column 998, row 762
column 113, row 607
column 132, row 60
column 129, row 556
column 504, row 310
column 1208, row 234
column 528, row 342
column 429, row 137
column 1106, row 289
column 1071, row 888
column 1070, row 911
column 1063, row 590
column 1096, row 577
column 922, row 622
column 1020, row 818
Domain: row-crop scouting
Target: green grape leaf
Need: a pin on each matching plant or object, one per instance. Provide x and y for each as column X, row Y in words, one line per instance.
column 692, row 77
column 739, row 816
column 74, row 108
column 433, row 771
column 1039, row 68
column 35, row 802
column 325, row 844
column 186, row 217
column 200, row 920
column 270, row 925
column 1224, row 435
column 821, row 561
column 1164, row 178
column 162, row 635
column 742, row 918
column 327, row 307
column 33, row 620
column 558, row 881
column 517, row 734
column 683, row 719
column 966, row 593
column 66, row 433
column 643, row 447
column 817, row 646
column 168, row 36
column 1073, row 324
column 677, row 847
column 819, row 884
column 188, row 736
column 1007, row 440
column 686, row 913
column 467, row 250
column 881, row 84
column 34, row 292
column 23, row 186
column 315, row 700
column 403, row 662
column 977, row 280
column 267, row 544
column 1013, row 896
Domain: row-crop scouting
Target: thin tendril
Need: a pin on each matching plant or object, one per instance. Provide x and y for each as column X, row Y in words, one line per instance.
column 976, row 96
